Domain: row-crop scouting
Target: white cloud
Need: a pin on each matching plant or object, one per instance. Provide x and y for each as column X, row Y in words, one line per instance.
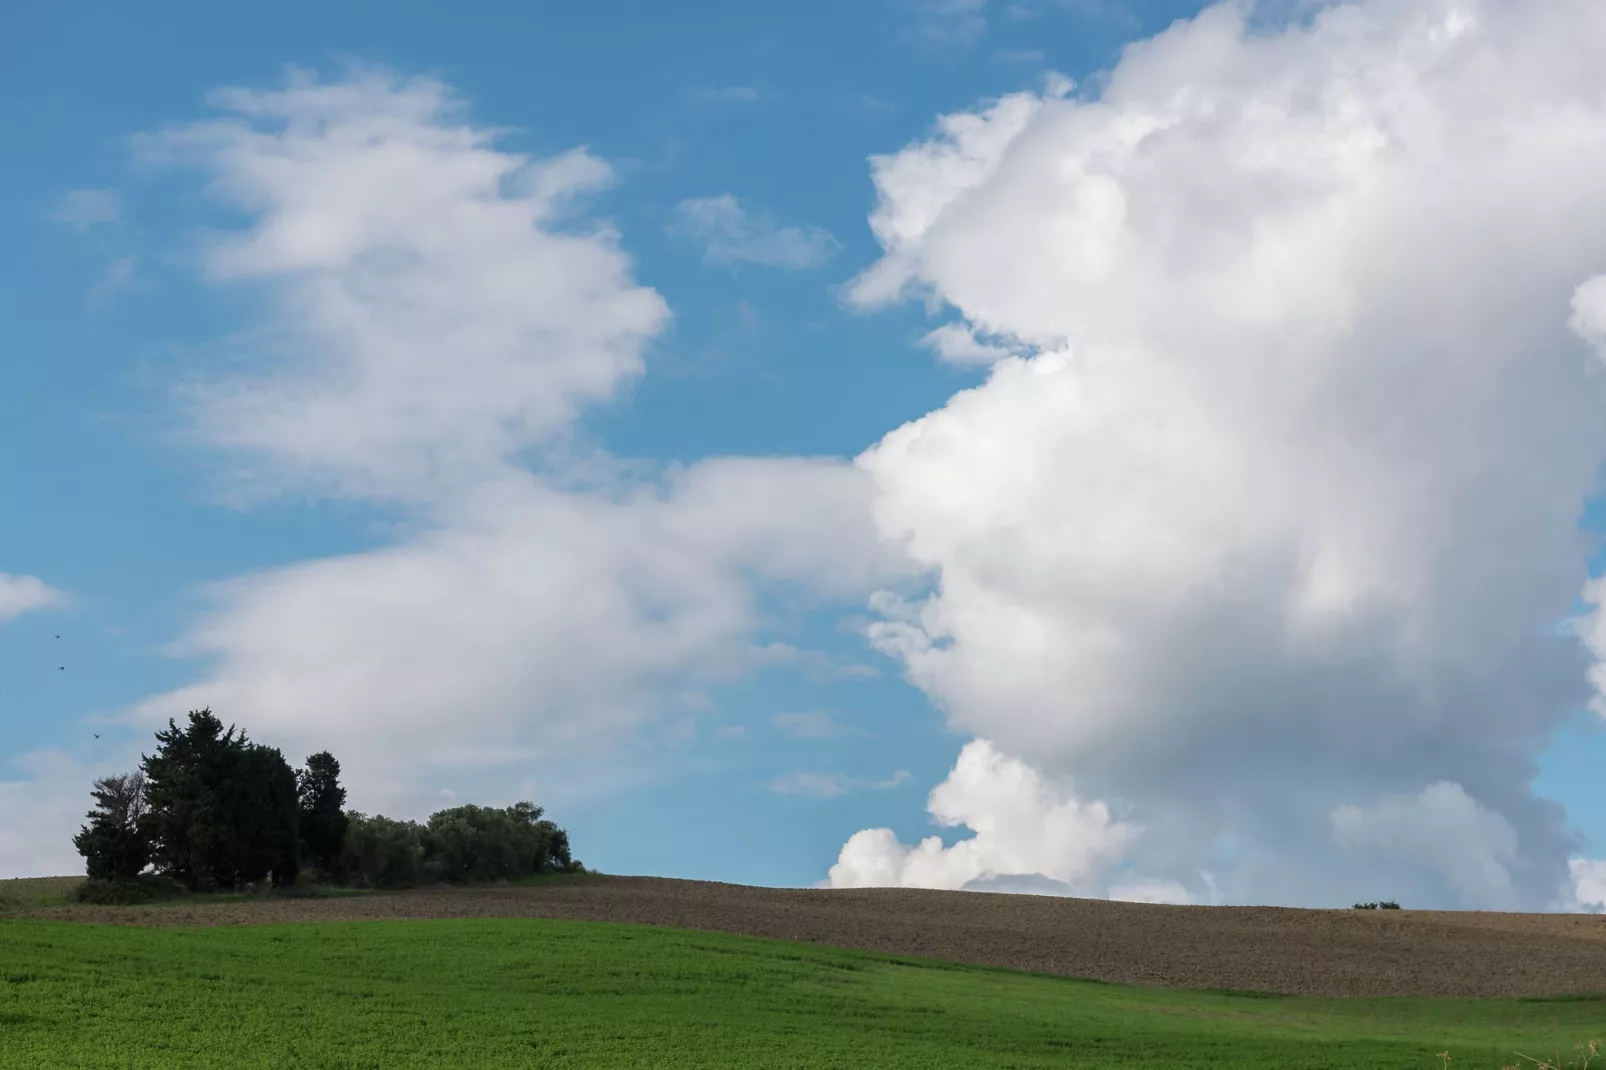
column 1023, row 828
column 26, row 594
column 435, row 315
column 832, row 785
column 730, row 234
column 1588, row 891
column 530, row 612
column 441, row 308
column 1280, row 512
column 1589, row 313
column 84, row 208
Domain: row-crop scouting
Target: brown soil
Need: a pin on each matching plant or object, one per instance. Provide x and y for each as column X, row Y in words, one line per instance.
column 1309, row 952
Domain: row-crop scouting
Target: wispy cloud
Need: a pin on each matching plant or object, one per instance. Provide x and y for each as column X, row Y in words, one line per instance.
column 89, row 212
column 115, row 276
column 728, row 94
column 26, row 594
column 1106, row 11
column 730, row 234
column 948, row 22
column 83, row 208
column 832, row 785
column 812, row 725
column 867, row 104
column 815, row 664
column 454, row 250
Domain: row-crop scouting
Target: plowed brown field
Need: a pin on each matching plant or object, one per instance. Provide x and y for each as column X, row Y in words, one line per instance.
column 1308, row 952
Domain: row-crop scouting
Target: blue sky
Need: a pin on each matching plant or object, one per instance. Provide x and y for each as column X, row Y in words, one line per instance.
column 757, row 775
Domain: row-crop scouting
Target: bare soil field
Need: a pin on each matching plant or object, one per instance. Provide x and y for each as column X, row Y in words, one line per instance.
column 1270, row 949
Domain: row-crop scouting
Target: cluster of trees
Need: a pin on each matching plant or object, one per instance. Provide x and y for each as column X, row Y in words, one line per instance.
column 213, row 810
column 463, row 844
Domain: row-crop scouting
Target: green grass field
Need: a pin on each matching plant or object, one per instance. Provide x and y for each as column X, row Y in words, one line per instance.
column 522, row 993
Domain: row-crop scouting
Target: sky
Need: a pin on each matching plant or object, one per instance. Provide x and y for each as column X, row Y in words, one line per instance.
column 1139, row 450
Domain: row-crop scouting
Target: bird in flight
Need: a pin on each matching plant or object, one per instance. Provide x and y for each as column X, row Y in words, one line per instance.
column 61, row 668
column 97, row 735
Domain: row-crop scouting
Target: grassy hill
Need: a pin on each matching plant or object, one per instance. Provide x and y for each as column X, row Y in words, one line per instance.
column 491, row 992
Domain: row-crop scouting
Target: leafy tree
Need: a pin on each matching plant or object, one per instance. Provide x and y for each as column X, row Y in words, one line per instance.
column 222, row 810
column 480, row 843
column 544, row 846
column 323, row 815
column 382, row 853
column 260, row 798
column 186, row 822
column 113, row 845
column 463, row 844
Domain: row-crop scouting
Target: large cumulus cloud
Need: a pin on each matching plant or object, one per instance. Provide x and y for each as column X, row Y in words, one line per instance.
column 1269, row 533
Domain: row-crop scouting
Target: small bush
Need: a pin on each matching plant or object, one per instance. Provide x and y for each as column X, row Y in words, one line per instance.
column 1387, row 904
column 124, row 891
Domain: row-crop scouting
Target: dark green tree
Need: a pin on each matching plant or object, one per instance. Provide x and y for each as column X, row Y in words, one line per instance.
column 544, row 847
column 222, row 810
column 186, row 823
column 113, row 845
column 260, row 798
column 323, row 815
